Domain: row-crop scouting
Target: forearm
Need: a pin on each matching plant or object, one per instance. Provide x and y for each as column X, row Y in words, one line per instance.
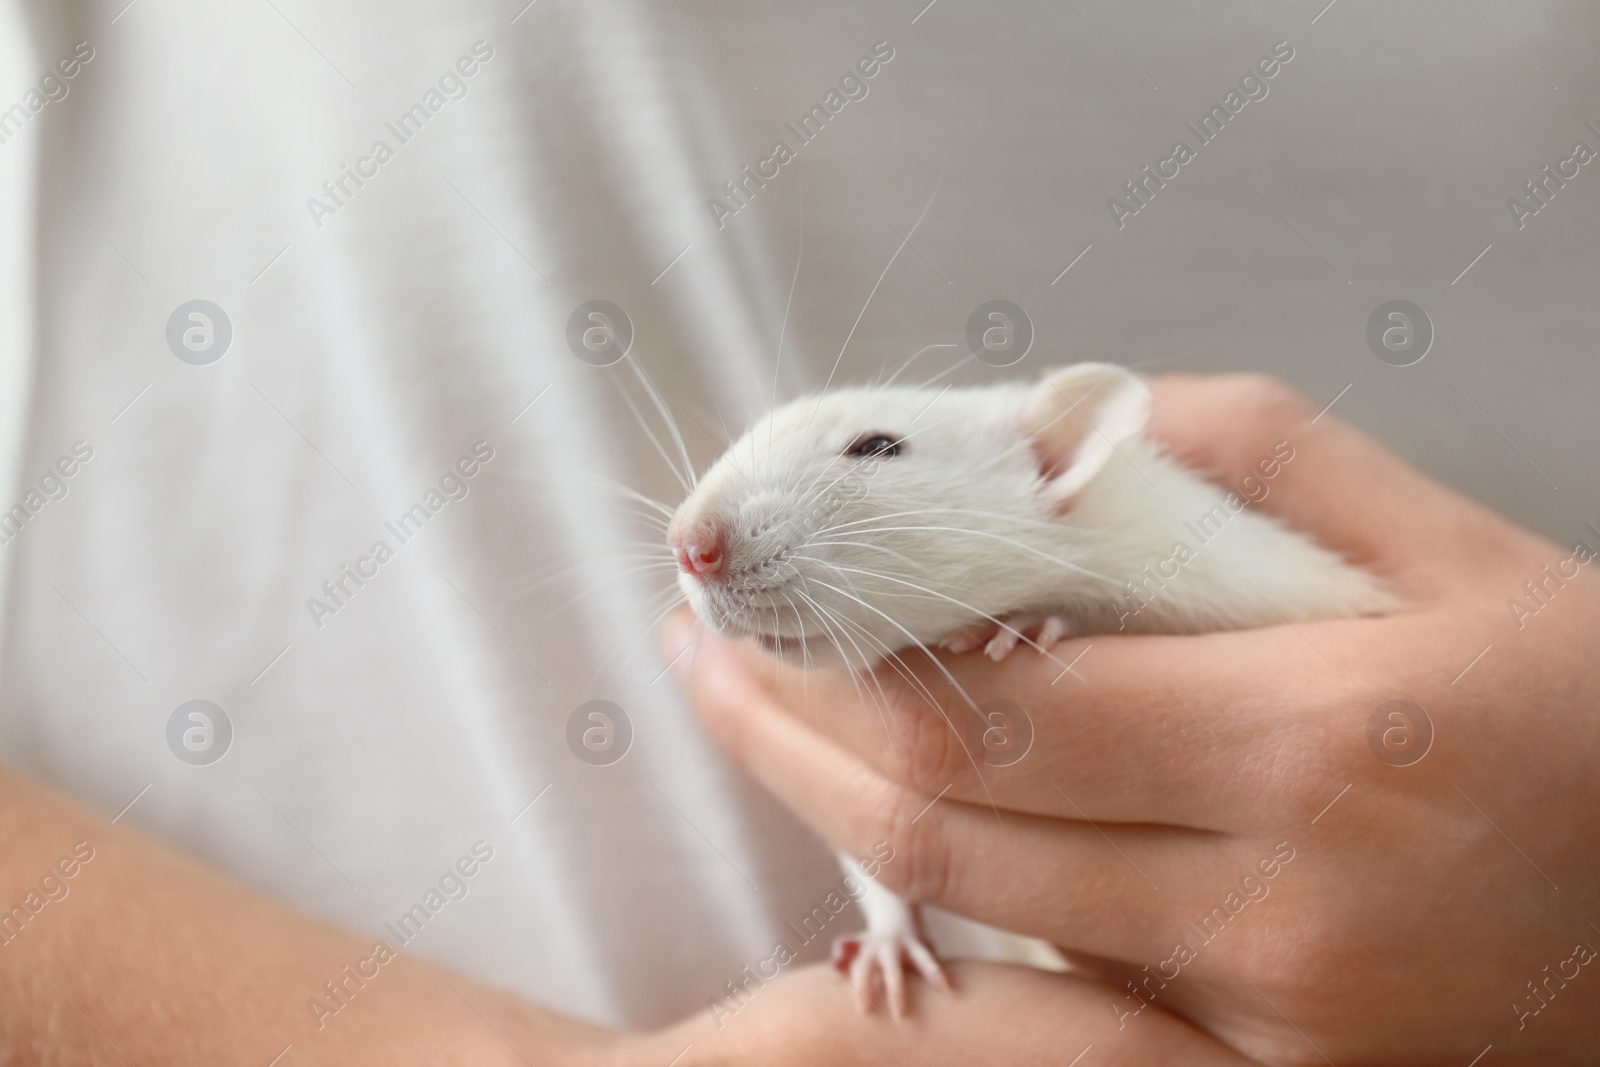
column 148, row 958
column 143, row 954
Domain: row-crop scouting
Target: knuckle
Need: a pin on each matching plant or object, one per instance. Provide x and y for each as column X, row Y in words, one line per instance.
column 1269, row 401
column 919, row 869
column 1297, row 972
column 1301, row 952
column 926, row 754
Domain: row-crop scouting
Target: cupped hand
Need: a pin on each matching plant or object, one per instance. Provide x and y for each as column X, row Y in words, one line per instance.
column 1353, row 841
column 1001, row 1014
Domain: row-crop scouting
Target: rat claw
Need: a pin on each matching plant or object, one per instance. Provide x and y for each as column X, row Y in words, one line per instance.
column 961, row 643
column 858, row 978
column 873, row 960
column 1053, row 630
column 1001, row 638
column 845, row 950
column 927, row 965
column 1001, row 644
column 894, row 981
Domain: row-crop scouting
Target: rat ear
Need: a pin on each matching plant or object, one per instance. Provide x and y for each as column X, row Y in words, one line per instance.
column 1076, row 417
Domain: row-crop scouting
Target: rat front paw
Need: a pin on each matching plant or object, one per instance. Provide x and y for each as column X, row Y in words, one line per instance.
column 870, row 959
column 999, row 639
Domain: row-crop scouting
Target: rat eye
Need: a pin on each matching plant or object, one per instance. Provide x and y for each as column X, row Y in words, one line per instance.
column 874, row 444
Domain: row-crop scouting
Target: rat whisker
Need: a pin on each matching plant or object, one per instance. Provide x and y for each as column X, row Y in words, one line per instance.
column 916, row 592
column 935, row 594
column 899, row 666
column 880, row 643
column 799, row 621
column 684, row 479
column 657, row 398
column 672, row 604
column 806, row 497
column 968, row 358
column 823, row 617
column 915, row 642
column 783, row 327
column 863, row 313
column 812, row 493
column 805, row 649
column 874, row 574
column 948, row 676
column 532, row 584
column 727, row 435
column 805, row 653
column 829, row 615
column 726, row 448
column 1007, row 540
column 907, row 364
column 599, row 481
column 908, row 561
column 880, row 702
column 625, row 573
column 862, row 524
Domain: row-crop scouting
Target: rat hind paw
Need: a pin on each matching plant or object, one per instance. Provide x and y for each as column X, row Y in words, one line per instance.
column 869, row 959
column 999, row 639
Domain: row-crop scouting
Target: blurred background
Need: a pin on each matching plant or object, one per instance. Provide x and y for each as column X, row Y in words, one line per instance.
column 359, row 336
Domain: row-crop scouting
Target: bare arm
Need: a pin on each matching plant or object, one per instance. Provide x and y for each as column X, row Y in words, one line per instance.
column 150, row 958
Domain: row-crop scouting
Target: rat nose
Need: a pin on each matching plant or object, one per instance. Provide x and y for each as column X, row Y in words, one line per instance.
column 702, row 551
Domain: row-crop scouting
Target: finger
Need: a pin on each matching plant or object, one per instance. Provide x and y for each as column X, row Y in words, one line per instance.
column 1184, row 731
column 1272, row 446
column 1073, row 883
column 1004, row 1014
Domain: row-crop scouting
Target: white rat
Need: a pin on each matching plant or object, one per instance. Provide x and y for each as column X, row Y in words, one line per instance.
column 849, row 526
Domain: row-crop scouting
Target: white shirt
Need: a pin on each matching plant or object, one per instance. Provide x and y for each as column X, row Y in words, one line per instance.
column 386, row 329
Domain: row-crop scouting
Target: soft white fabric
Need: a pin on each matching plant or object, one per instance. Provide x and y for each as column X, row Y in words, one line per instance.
column 18, row 187
column 375, row 344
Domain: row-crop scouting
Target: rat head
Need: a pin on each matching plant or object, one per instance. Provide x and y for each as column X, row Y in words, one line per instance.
column 850, row 524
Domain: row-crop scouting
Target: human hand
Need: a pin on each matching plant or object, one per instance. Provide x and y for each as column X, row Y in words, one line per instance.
column 1205, row 817
column 1000, row 1014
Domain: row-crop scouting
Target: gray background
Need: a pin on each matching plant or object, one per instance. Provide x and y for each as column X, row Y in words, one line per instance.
column 1392, row 141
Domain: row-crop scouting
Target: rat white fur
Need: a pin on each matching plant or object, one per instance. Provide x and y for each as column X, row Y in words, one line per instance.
column 853, row 524
column 1002, row 503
